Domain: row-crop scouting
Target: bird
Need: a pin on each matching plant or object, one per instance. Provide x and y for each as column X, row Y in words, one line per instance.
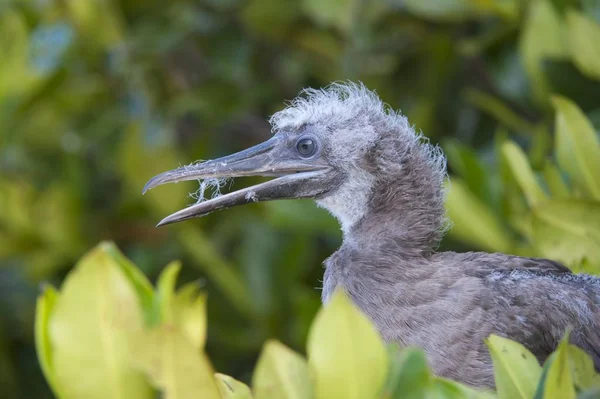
column 384, row 182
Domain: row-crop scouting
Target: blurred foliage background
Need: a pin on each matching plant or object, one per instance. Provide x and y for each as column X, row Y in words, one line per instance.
column 97, row 96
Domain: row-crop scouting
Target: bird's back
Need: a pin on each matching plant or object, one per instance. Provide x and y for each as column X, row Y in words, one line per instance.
column 538, row 300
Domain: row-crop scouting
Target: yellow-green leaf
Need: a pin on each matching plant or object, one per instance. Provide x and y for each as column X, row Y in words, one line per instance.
column 281, row 374
column 409, row 374
column 577, row 146
column 567, row 230
column 135, row 277
column 559, row 383
column 473, row 221
column 448, row 11
column 231, row 388
column 448, row 389
column 542, row 37
column 44, row 307
column 584, row 43
column 346, row 352
column 582, row 368
column 519, row 166
column 336, row 13
column 190, row 316
column 554, row 180
column 516, row 370
column 89, row 327
column 165, row 292
column 173, row 364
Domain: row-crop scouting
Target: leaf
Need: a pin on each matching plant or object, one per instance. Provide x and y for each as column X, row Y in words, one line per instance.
column 498, row 110
column 270, row 18
column 173, row 364
column 190, row 316
column 554, row 180
column 448, row 11
column 559, row 383
column 519, row 166
column 541, row 386
column 185, row 309
column 98, row 20
column 336, row 13
column 516, row 370
column 584, row 43
column 577, row 146
column 473, row 221
column 567, row 230
column 464, row 161
column 88, row 330
column 345, row 352
column 15, row 77
column 231, row 388
column 447, row 389
column 44, row 307
column 165, row 291
column 281, row 373
column 582, row 368
column 542, row 37
column 409, row 376
column 136, row 278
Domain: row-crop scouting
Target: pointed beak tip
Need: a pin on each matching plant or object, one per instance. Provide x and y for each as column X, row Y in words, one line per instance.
column 163, row 222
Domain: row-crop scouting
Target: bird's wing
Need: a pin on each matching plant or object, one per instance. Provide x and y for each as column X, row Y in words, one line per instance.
column 560, row 298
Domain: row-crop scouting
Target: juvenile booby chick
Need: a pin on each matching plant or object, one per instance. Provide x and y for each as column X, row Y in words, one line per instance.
column 384, row 183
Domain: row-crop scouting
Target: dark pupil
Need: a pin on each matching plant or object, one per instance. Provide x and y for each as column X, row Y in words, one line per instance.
column 306, row 146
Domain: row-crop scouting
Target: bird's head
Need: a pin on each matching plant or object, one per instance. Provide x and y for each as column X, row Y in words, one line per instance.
column 334, row 145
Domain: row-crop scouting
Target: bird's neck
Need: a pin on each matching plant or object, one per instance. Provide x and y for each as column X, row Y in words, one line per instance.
column 406, row 210
column 401, row 228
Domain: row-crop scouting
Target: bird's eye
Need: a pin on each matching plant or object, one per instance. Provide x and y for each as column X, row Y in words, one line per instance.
column 306, row 147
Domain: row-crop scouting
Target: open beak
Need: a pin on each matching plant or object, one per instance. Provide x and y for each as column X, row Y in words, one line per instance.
column 271, row 158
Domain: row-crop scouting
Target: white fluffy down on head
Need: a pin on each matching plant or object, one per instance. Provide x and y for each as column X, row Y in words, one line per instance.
column 355, row 117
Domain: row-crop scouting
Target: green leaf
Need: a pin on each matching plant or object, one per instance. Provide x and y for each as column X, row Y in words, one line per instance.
column 270, row 18
column 96, row 311
column 135, row 277
column 409, row 376
column 473, row 221
column 231, row 388
column 567, row 230
column 44, row 307
column 190, row 316
column 173, row 364
column 584, row 39
column 542, row 37
column 519, row 166
column 541, row 386
column 447, row 389
column 559, row 383
column 448, row 11
column 185, row 309
column 281, row 374
column 554, row 181
column 165, row 291
column 337, row 13
column 346, row 352
column 582, row 368
column 98, row 20
column 516, row 370
column 15, row 76
column 464, row 161
column 577, row 146
column 499, row 110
